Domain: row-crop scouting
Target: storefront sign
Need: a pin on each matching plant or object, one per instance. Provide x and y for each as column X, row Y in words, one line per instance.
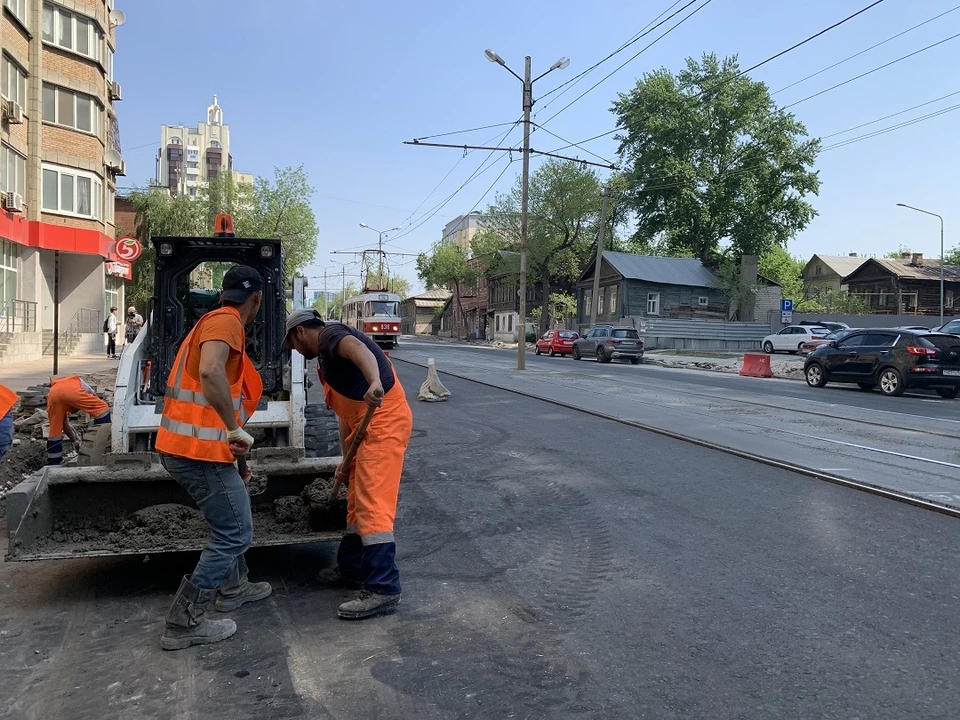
column 128, row 249
column 120, row 268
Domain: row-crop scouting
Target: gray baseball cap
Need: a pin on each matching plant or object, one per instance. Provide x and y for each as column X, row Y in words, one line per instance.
column 296, row 319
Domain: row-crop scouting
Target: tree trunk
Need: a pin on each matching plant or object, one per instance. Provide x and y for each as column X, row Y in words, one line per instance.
column 545, row 305
column 463, row 315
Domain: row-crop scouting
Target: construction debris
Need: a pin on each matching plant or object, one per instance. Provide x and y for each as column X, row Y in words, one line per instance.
column 432, row 389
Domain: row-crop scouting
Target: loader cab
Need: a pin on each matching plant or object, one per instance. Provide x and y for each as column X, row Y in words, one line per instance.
column 187, row 276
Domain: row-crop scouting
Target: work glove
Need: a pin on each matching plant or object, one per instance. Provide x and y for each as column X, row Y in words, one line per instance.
column 239, row 440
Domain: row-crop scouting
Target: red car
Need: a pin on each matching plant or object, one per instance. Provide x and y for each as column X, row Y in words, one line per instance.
column 556, row 342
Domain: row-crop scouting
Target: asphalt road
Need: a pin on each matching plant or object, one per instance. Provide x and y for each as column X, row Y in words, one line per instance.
column 555, row 565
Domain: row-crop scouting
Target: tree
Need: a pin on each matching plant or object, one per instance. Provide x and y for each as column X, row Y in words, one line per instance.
column 335, row 305
column 899, row 252
column 447, row 266
column 832, row 301
column 710, row 157
column 281, row 209
column 781, row 267
column 952, row 257
column 396, row 284
column 564, row 206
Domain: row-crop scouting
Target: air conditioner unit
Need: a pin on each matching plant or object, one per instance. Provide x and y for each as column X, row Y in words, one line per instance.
column 13, row 202
column 13, row 112
column 115, row 91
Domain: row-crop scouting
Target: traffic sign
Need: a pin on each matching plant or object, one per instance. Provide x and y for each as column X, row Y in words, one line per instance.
column 786, row 318
column 786, row 305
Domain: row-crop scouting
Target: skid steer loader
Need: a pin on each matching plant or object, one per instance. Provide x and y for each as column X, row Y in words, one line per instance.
column 118, row 500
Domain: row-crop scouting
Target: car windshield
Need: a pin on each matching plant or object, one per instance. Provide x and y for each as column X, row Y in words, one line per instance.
column 941, row 342
column 632, row 334
column 566, row 334
column 951, row 327
column 818, row 331
column 837, row 335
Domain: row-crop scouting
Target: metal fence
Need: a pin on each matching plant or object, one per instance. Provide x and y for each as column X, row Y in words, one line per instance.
column 85, row 320
column 700, row 334
column 18, row 316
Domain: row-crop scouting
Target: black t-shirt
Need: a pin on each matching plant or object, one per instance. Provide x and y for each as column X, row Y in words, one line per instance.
column 341, row 374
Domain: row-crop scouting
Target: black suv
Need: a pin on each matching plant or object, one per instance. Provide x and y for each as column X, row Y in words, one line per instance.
column 891, row 358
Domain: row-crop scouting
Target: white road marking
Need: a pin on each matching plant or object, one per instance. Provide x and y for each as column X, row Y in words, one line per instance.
column 877, row 450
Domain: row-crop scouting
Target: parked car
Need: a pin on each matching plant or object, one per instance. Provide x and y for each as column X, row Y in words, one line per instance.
column 913, row 327
column 610, row 342
column 951, row 328
column 792, row 337
column 892, row 359
column 556, row 342
column 828, row 324
column 810, row 345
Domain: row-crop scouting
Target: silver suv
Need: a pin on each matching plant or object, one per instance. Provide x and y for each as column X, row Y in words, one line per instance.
column 610, row 342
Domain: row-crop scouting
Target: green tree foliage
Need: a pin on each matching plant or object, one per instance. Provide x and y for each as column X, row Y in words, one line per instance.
column 447, row 266
column 832, row 301
column 563, row 306
column 899, row 252
column 564, row 207
column 710, row 157
column 781, row 267
column 335, row 305
column 952, row 257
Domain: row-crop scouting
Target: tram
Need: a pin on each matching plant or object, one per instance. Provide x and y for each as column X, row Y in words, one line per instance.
column 377, row 315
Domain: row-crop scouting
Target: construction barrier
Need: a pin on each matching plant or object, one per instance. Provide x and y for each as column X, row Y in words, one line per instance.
column 756, row 365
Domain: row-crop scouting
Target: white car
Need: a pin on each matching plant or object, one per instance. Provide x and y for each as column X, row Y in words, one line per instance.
column 792, row 337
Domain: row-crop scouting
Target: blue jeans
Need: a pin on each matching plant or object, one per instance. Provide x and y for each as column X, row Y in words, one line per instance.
column 6, row 433
column 222, row 497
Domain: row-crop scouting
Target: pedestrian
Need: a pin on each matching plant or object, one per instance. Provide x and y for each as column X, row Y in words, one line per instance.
column 110, row 328
column 134, row 322
column 8, row 398
column 356, row 374
column 67, row 394
column 212, row 389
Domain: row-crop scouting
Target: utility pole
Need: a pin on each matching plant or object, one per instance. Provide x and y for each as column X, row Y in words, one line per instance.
column 326, row 298
column 380, row 250
column 939, row 217
column 595, row 300
column 524, row 203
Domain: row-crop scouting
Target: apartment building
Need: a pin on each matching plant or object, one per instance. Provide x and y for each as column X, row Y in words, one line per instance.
column 461, row 229
column 60, row 159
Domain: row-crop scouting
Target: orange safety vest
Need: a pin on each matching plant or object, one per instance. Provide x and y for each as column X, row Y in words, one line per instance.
column 190, row 427
column 8, row 398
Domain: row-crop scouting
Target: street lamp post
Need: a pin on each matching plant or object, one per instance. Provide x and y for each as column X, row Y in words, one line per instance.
column 525, row 183
column 927, row 212
column 381, row 233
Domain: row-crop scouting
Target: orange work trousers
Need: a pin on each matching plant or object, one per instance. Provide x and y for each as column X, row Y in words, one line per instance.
column 65, row 396
column 374, row 474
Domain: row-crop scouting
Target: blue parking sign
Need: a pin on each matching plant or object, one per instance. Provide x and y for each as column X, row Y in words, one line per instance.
column 786, row 305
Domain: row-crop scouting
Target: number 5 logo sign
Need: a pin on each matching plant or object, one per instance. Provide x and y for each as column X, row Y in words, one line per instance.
column 128, row 249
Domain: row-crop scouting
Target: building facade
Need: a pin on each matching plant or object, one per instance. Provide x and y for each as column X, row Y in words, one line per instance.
column 461, row 230
column 824, row 274
column 909, row 285
column 420, row 313
column 60, row 159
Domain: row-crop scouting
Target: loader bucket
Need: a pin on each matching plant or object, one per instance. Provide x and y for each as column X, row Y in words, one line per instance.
column 72, row 512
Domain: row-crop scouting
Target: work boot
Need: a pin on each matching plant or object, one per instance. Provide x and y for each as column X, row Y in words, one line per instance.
column 186, row 624
column 335, row 578
column 238, row 590
column 368, row 604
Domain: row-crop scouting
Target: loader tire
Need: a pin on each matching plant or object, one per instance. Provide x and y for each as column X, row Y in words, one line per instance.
column 95, row 444
column 321, row 435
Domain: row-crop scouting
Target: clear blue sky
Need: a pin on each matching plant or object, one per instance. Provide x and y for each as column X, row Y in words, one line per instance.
column 338, row 87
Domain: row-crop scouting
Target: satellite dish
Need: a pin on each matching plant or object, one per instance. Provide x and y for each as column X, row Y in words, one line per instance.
column 111, row 158
column 117, row 18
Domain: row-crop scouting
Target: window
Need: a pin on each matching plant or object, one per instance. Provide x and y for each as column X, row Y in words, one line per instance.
column 9, row 260
column 509, row 323
column 626, row 333
column 948, row 298
column 113, row 287
column 214, row 144
column 819, row 269
column 72, row 32
column 587, row 302
column 111, row 205
column 613, row 300
column 851, row 342
column 109, row 64
column 18, row 8
column 14, row 171
column 498, row 323
column 653, row 303
column 71, row 109
column 600, row 297
column 703, row 301
column 879, row 340
column 14, row 82
column 67, row 191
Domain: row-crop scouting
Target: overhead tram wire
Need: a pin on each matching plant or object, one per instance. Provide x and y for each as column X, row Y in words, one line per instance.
column 865, row 50
column 870, row 72
column 898, row 126
column 887, row 117
column 463, row 132
column 743, row 72
column 599, row 157
column 629, row 60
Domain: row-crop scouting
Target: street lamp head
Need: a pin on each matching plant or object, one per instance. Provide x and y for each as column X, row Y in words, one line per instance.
column 364, row 225
column 398, row 227
column 493, row 57
column 561, row 64
column 900, row 205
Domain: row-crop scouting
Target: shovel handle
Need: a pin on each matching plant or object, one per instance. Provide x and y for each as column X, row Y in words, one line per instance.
column 343, row 469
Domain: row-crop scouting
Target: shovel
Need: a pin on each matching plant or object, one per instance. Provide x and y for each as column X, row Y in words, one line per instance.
column 343, row 469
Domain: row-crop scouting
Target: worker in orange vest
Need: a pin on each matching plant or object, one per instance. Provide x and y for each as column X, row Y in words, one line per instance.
column 212, row 389
column 8, row 398
column 67, row 394
column 357, row 374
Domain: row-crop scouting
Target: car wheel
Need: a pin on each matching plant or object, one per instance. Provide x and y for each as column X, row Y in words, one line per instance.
column 634, row 361
column 891, row 382
column 816, row 375
column 948, row 393
column 553, row 353
column 537, row 351
column 866, row 386
column 576, row 353
column 768, row 347
column 602, row 356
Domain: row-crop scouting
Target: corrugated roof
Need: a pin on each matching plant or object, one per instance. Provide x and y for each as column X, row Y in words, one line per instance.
column 842, row 265
column 440, row 294
column 930, row 270
column 663, row 270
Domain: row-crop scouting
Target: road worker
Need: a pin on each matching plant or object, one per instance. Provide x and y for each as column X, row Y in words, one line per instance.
column 356, row 374
column 69, row 393
column 8, row 398
column 212, row 389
